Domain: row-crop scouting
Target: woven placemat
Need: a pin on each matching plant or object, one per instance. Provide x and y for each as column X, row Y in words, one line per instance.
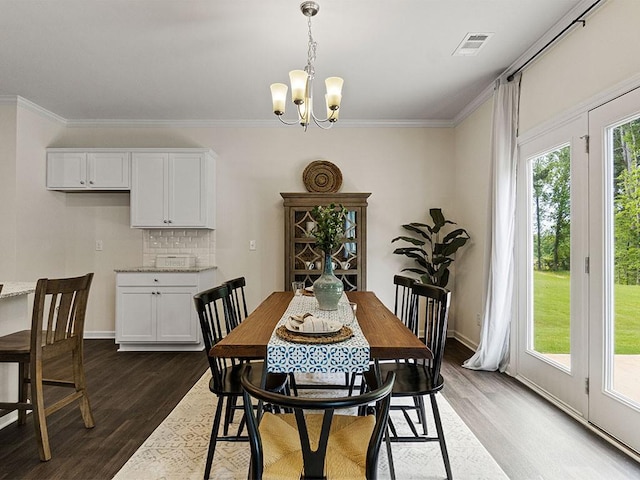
column 322, row 176
column 341, row 335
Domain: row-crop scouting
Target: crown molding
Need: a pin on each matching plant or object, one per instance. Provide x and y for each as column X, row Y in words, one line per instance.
column 22, row 102
column 142, row 123
column 476, row 103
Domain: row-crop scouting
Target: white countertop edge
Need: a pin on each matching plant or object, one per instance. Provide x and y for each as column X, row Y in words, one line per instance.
column 14, row 289
column 163, row 269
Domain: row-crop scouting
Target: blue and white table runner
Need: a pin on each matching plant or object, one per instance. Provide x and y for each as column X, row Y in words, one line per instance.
column 351, row 356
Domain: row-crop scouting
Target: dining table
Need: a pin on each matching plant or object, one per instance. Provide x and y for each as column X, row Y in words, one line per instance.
column 387, row 336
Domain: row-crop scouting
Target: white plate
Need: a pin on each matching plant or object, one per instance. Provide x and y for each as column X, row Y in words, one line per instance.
column 333, row 327
column 309, row 289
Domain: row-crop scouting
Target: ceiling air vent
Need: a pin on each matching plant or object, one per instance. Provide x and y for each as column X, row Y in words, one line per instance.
column 471, row 44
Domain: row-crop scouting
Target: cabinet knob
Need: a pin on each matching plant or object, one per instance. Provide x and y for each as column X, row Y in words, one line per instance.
column 170, row 221
column 153, row 293
column 165, row 221
column 155, row 279
column 157, row 293
column 81, row 182
column 91, row 182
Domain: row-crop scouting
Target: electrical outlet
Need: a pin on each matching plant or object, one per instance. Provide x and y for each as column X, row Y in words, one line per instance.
column 478, row 319
column 99, row 245
column 252, row 244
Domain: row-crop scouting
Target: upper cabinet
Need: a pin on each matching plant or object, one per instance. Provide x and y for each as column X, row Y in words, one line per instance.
column 78, row 170
column 173, row 189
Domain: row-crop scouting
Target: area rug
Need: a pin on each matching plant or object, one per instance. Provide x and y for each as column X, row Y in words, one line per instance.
column 177, row 449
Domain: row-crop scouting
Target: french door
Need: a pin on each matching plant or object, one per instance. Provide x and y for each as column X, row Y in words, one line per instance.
column 552, row 248
column 578, row 253
column 614, row 291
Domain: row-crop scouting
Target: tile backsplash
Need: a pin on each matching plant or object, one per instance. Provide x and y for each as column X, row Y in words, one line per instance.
column 201, row 243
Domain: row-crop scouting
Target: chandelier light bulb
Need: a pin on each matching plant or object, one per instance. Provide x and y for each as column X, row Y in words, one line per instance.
column 298, row 80
column 334, row 92
column 332, row 113
column 279, row 97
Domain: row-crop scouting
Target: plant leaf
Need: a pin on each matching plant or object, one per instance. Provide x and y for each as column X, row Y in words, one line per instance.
column 415, row 241
column 416, row 229
column 407, row 250
column 455, row 233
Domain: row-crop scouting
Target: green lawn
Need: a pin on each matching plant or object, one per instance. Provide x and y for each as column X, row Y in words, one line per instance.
column 551, row 311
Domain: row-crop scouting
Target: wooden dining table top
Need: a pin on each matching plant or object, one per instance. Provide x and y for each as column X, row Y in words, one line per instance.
column 388, row 337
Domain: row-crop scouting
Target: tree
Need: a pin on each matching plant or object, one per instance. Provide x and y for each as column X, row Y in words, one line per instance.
column 552, row 190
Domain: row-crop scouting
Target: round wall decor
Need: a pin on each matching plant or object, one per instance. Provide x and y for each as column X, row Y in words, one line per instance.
column 321, row 176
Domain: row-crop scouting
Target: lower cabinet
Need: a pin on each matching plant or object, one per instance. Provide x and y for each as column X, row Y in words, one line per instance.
column 155, row 310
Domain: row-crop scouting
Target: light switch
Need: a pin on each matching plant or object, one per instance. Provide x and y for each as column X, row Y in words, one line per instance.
column 252, row 244
column 99, row 245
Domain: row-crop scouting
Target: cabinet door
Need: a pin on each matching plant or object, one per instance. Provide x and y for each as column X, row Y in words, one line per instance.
column 67, row 170
column 136, row 314
column 176, row 318
column 108, row 170
column 187, row 190
column 149, row 185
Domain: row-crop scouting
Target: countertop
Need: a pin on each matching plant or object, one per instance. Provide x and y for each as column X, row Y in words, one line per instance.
column 163, row 269
column 14, row 289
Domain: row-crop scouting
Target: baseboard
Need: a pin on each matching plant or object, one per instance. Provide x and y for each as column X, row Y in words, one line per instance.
column 466, row 341
column 97, row 335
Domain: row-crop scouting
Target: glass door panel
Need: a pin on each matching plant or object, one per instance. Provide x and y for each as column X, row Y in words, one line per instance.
column 551, row 250
column 550, row 324
column 623, row 318
column 614, row 186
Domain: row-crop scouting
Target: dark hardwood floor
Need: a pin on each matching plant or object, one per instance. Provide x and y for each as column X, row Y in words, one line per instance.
column 131, row 393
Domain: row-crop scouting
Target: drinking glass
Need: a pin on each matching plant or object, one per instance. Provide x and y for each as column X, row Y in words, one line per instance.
column 349, row 313
column 297, row 287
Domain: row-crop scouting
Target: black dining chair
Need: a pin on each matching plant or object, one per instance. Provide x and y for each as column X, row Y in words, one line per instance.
column 402, row 302
column 315, row 442
column 401, row 309
column 215, row 312
column 236, row 288
column 417, row 378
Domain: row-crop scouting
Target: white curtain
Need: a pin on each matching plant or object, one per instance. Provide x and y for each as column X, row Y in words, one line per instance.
column 493, row 350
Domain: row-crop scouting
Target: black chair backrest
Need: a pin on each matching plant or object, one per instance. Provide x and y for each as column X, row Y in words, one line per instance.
column 402, row 305
column 314, row 460
column 432, row 303
column 236, row 288
column 215, row 311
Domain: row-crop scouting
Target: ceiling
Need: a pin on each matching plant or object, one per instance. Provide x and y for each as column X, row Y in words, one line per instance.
column 213, row 60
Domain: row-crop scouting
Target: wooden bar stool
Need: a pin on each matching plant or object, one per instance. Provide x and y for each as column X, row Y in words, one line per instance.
column 64, row 302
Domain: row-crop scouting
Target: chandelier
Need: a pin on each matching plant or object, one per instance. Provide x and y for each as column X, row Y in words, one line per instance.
column 302, row 86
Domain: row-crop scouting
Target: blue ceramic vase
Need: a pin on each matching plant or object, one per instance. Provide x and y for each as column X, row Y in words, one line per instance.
column 328, row 288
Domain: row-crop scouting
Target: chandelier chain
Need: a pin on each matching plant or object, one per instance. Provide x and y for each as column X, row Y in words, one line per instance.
column 311, row 53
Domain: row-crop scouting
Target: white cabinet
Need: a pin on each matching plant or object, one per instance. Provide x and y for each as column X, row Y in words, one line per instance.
column 75, row 170
column 155, row 311
column 173, row 190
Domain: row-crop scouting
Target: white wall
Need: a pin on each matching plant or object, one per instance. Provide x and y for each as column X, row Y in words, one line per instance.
column 585, row 63
column 8, row 212
column 407, row 170
column 471, row 207
column 41, row 215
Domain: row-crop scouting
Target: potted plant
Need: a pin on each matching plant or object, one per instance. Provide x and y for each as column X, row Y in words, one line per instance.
column 432, row 254
column 328, row 232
